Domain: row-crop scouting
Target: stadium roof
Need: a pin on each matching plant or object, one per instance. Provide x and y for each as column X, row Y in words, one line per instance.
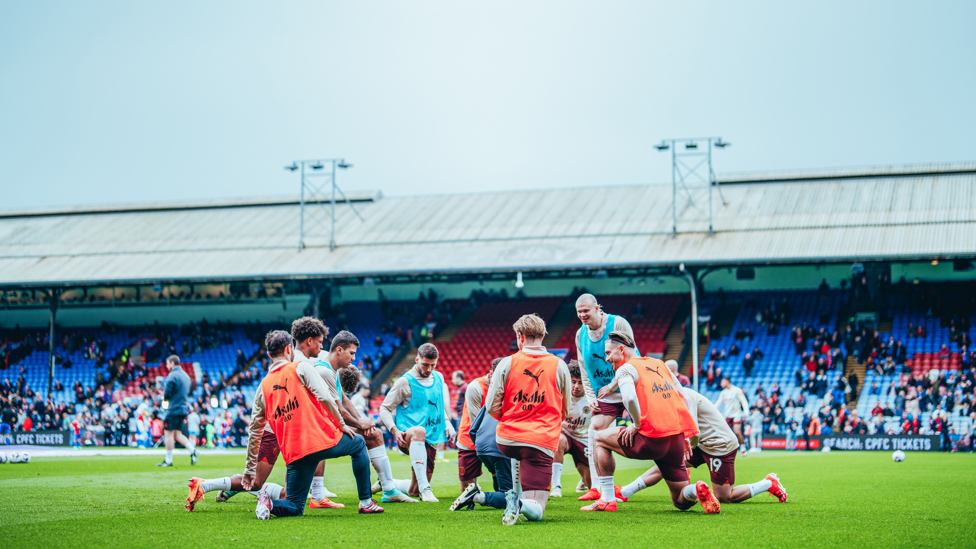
column 898, row 214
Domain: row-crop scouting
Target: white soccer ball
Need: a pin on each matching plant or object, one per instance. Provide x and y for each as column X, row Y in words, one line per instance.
column 898, row 455
column 14, row 457
column 24, row 457
column 825, row 449
column 3, row 457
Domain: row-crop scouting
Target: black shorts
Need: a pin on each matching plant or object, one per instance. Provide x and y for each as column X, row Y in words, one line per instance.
column 174, row 422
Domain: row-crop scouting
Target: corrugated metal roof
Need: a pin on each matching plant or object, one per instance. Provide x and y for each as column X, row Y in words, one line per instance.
column 903, row 217
column 941, row 168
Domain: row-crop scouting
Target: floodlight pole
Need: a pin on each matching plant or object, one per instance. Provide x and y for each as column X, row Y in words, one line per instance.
column 680, row 171
column 314, row 193
column 694, row 325
column 54, row 296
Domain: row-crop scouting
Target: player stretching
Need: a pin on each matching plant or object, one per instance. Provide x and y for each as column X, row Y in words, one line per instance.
column 590, row 341
column 529, row 395
column 176, row 394
column 309, row 333
column 732, row 401
column 660, row 432
column 715, row 446
column 419, row 399
column 469, row 466
column 341, row 355
column 306, row 421
column 574, row 437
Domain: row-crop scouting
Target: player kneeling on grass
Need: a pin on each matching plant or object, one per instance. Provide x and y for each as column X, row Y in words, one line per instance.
column 418, row 398
column 529, row 395
column 660, row 432
column 715, row 446
column 575, row 437
column 305, row 419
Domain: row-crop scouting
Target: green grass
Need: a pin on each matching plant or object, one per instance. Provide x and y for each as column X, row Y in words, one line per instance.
column 837, row 499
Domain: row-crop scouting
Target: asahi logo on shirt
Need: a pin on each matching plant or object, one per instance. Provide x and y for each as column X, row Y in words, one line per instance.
column 527, row 400
column 285, row 412
column 603, row 373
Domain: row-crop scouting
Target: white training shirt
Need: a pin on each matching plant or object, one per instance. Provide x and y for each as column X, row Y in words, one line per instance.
column 577, row 423
column 732, row 402
column 715, row 438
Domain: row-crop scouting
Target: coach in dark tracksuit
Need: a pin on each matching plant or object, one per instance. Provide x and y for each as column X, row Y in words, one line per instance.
column 177, row 396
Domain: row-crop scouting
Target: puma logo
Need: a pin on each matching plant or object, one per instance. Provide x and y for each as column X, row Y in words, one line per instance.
column 654, row 370
column 281, row 387
column 432, row 403
column 533, row 376
column 597, row 357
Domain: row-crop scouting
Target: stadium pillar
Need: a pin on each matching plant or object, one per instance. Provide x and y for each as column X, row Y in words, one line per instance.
column 55, row 297
column 693, row 282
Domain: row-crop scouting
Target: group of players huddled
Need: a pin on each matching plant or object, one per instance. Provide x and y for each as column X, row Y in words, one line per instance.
column 518, row 422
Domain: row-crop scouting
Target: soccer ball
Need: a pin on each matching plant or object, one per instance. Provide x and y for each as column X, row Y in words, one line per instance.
column 14, row 457
column 825, row 449
column 898, row 455
column 3, row 457
column 24, row 457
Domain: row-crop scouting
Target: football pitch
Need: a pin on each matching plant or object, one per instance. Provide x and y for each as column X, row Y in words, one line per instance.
column 860, row 499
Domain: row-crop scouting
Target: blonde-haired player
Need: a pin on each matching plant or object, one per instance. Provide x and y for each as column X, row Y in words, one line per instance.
column 529, row 395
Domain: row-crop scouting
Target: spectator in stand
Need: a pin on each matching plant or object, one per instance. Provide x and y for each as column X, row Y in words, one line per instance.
column 748, row 363
column 943, row 352
column 241, row 360
column 811, row 428
column 734, row 350
column 682, row 379
column 457, row 379
column 756, row 419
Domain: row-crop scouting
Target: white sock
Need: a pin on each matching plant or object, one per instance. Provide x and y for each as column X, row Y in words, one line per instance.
column 254, row 492
column 364, row 502
column 216, row 484
column 169, row 456
column 418, row 460
column 516, row 479
column 272, row 489
column 557, row 474
column 593, row 473
column 440, row 455
column 402, row 485
column 318, row 488
column 759, row 487
column 633, row 487
column 689, row 493
column 606, row 488
column 190, row 445
column 380, row 461
column 479, row 497
column 531, row 509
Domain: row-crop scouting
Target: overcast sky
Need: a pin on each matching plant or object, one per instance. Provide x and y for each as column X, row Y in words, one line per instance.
column 138, row 101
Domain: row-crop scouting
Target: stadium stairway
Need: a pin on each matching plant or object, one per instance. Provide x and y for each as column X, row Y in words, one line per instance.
column 675, row 336
column 560, row 322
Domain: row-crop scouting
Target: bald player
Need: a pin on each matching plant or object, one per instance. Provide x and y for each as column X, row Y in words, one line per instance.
column 529, row 395
column 661, row 431
column 596, row 372
column 715, row 446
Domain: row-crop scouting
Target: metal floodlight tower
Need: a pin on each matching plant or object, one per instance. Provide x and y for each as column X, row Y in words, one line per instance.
column 688, row 166
column 318, row 190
